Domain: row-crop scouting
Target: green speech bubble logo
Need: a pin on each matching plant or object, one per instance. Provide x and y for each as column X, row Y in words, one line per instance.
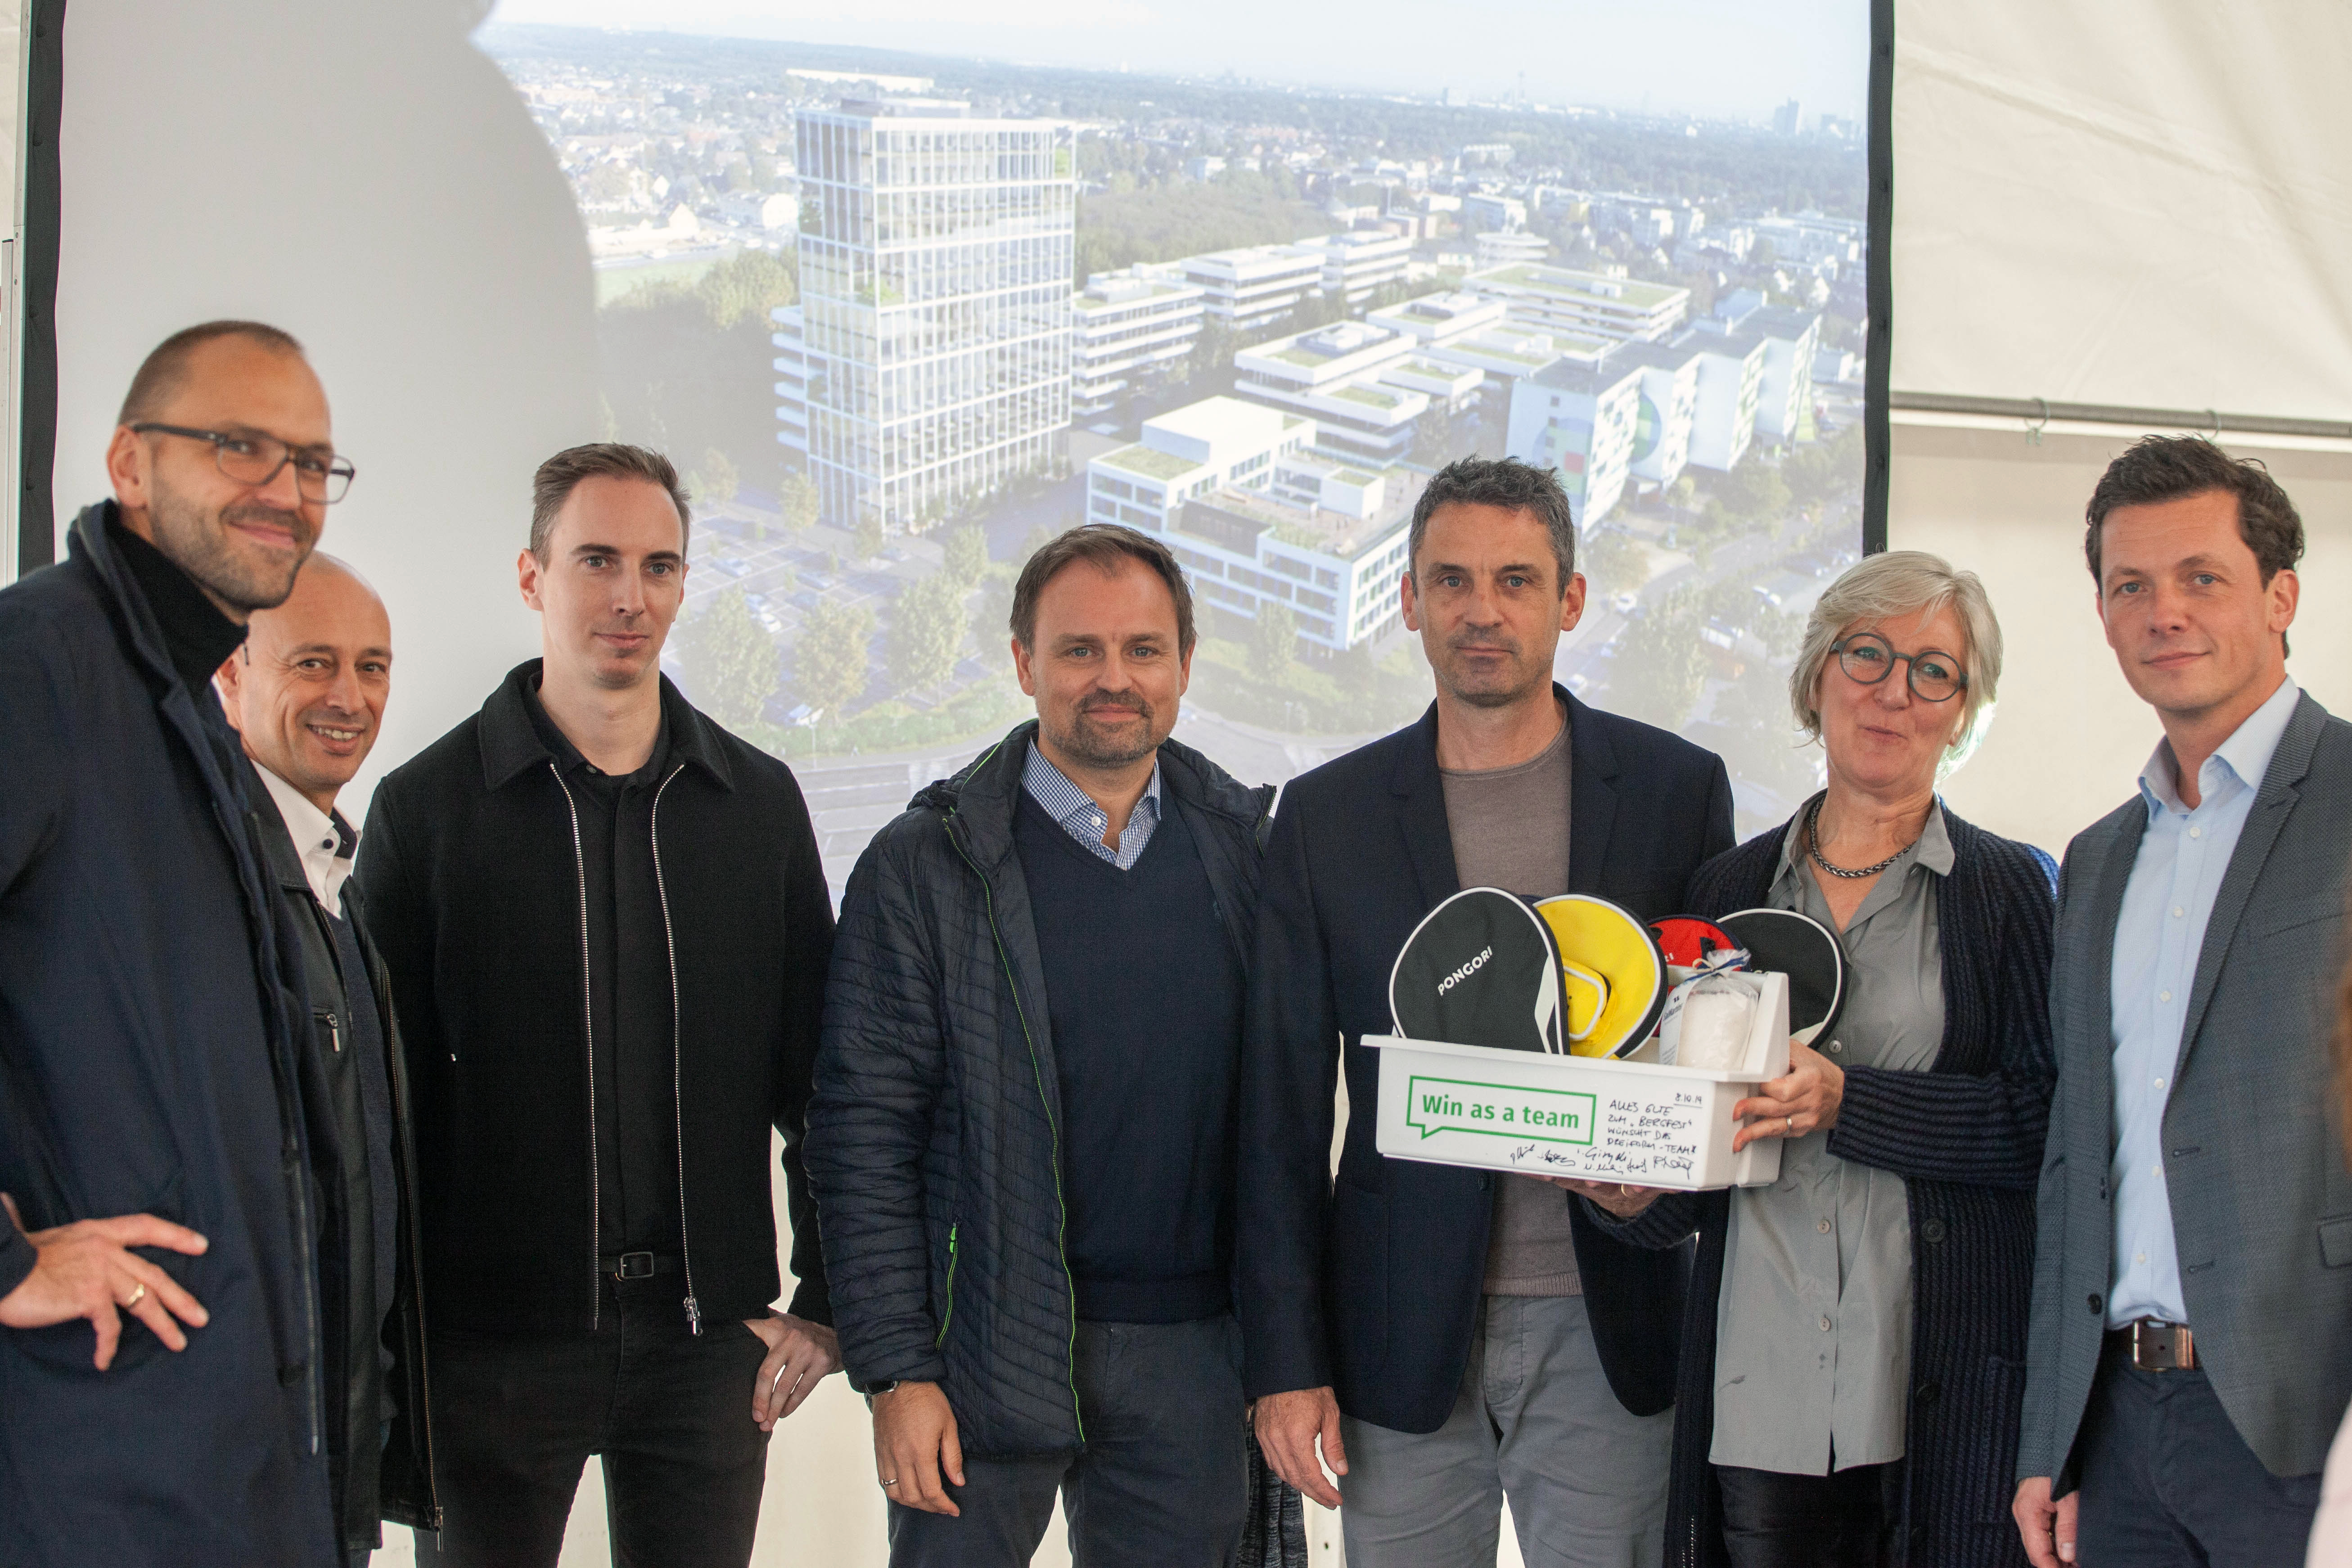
column 1435, row 1105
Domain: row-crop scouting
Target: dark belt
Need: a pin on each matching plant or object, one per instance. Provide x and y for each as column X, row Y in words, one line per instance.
column 2155, row 1345
column 640, row 1265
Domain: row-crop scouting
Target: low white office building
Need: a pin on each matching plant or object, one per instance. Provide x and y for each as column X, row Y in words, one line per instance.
column 1334, row 376
column 1785, row 395
column 1731, row 384
column 1251, row 286
column 1581, row 421
column 1357, row 261
column 1565, row 300
column 1669, row 407
column 1188, row 452
column 1256, row 518
column 1128, row 328
column 1506, row 247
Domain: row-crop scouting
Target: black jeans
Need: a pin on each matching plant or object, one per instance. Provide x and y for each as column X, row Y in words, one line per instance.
column 515, row 1419
column 1845, row 1520
column 2169, row 1483
column 1163, row 1481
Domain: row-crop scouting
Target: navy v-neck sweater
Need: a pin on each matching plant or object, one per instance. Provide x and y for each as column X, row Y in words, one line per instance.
column 1143, row 991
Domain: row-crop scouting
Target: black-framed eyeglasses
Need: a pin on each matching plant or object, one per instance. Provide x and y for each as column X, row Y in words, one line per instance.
column 1869, row 658
column 256, row 460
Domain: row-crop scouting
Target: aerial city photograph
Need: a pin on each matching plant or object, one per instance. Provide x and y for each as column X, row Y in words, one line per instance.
column 904, row 314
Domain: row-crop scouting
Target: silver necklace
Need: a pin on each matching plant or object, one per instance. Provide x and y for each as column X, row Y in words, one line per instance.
column 1813, row 843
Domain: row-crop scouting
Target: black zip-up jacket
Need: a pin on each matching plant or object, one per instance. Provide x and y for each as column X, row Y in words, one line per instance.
column 376, row 1477
column 470, row 866
column 933, row 1144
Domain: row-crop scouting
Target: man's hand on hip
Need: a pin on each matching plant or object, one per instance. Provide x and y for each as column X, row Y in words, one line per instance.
column 2047, row 1525
column 800, row 1354
column 1288, row 1428
column 86, row 1269
column 915, row 1445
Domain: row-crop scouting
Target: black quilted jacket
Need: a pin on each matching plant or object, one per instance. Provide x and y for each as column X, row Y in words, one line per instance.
column 932, row 1148
column 1965, row 1136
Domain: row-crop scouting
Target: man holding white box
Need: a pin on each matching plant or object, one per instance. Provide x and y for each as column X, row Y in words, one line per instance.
column 1453, row 1337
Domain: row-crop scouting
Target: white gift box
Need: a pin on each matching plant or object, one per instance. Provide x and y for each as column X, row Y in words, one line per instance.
column 1591, row 1118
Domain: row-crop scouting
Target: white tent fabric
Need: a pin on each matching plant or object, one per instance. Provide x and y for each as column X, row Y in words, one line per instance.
column 2101, row 201
column 2105, row 201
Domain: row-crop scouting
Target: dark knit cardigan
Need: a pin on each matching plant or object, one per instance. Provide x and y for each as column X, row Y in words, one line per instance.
column 1965, row 1136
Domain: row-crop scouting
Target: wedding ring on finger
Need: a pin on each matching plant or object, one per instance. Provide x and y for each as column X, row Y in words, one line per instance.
column 136, row 1295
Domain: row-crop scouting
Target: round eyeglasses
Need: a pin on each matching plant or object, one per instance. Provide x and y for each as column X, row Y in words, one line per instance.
column 256, row 460
column 1869, row 658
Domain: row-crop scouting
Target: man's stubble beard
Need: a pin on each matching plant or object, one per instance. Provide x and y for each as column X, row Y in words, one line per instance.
column 200, row 547
column 1495, row 697
column 1083, row 742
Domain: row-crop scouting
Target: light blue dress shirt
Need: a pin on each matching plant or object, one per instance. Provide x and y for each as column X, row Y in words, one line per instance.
column 1082, row 819
column 2160, row 932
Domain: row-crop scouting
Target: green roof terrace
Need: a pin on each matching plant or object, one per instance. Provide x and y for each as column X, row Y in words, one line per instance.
column 1149, row 461
column 1561, row 280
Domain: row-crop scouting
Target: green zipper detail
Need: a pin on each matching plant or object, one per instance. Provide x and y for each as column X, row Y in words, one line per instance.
column 948, row 1317
column 1061, row 1229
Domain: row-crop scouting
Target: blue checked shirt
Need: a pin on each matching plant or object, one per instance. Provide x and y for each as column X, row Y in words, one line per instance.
column 2160, row 932
column 1082, row 819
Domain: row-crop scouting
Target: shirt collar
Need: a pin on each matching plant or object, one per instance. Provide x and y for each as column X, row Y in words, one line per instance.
column 2245, row 756
column 1063, row 800
column 1932, row 848
column 323, row 841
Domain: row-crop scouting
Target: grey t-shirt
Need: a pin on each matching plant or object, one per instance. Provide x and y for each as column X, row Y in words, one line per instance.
column 1812, row 1366
column 1509, row 828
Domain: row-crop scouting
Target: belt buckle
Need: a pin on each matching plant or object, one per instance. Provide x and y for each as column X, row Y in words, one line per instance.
column 635, row 1266
column 2161, row 1347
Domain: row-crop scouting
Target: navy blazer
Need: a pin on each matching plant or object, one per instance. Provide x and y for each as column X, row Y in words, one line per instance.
column 1371, row 1286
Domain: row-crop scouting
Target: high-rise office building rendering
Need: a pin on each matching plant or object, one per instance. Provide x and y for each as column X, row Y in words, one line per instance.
column 933, row 342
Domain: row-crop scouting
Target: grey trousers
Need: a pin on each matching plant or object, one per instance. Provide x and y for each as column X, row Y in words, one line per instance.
column 1533, row 1422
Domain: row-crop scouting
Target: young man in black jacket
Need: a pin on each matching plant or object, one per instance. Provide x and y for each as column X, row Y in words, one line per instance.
column 1023, row 1136
column 607, row 929
column 1450, row 1338
column 306, row 695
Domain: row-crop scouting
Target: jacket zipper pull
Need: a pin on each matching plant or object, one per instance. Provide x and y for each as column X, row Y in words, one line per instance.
column 693, row 1316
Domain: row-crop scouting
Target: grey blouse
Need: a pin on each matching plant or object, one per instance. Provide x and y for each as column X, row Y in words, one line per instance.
column 1813, row 1325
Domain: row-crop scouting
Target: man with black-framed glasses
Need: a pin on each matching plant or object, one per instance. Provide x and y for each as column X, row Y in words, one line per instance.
column 153, row 1147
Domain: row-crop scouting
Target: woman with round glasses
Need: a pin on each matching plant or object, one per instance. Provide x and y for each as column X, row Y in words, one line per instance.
column 1853, row 1346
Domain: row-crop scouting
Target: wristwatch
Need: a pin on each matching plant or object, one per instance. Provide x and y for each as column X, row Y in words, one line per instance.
column 879, row 1390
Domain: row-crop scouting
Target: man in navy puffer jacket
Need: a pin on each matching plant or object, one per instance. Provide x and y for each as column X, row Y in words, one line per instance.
column 1021, row 1140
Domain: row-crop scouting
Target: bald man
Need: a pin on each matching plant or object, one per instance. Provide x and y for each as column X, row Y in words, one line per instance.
column 161, row 1365
column 305, row 694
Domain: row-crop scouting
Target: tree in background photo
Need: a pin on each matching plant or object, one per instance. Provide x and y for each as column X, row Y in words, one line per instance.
column 1273, row 640
column 829, row 657
column 965, row 554
column 796, row 502
column 686, row 365
column 926, row 633
column 729, row 661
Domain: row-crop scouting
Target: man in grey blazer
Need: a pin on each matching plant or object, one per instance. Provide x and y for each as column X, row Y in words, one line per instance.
column 2191, row 1346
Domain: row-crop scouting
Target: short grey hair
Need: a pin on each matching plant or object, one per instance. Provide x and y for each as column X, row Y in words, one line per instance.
column 1903, row 582
column 1504, row 482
